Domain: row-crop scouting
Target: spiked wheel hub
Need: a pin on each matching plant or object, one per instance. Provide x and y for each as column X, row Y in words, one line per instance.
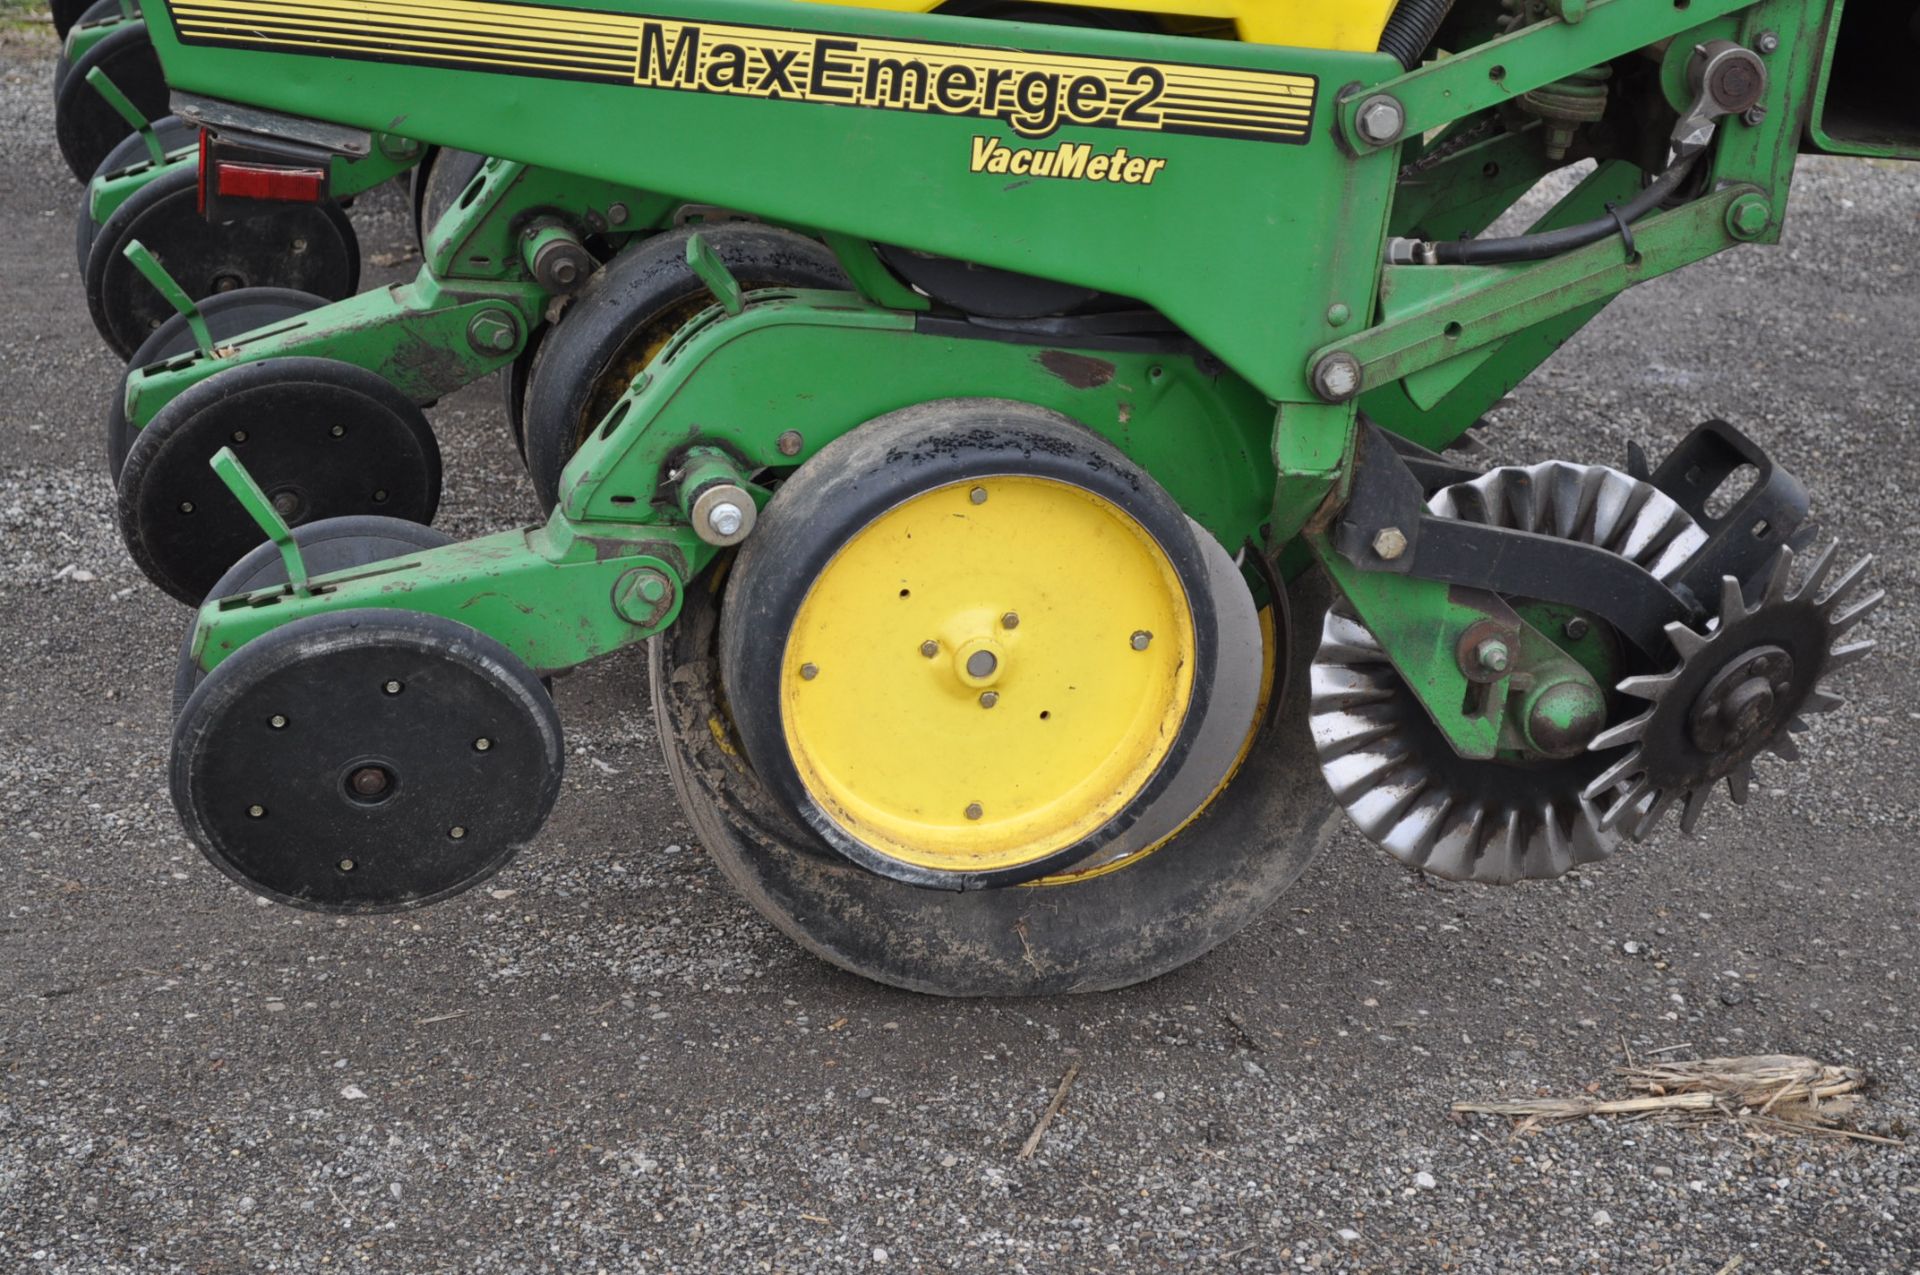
column 1744, row 687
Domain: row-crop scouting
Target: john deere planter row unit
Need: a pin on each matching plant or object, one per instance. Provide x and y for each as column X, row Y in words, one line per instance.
column 1043, row 492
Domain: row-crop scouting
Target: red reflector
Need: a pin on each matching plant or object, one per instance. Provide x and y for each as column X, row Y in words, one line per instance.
column 261, row 181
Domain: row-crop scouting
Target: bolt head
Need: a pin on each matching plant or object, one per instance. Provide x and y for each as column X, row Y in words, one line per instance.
column 1140, row 640
column 1493, row 655
column 1748, row 216
column 482, row 744
column 1389, row 542
column 456, row 832
column 929, row 648
column 1336, row 378
column 1767, row 42
column 391, row 688
column 1575, row 629
column 978, row 495
column 1011, row 620
column 726, row 518
column 789, row 443
column 278, row 721
column 257, row 812
column 617, row 214
column 989, row 698
column 809, row 671
column 1381, row 119
column 973, row 810
column 651, row 588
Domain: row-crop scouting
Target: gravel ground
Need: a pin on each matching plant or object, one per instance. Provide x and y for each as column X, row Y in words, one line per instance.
column 607, row 1062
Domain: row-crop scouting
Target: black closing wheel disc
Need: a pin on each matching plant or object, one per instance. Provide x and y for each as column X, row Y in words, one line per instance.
column 323, row 439
column 173, row 134
column 307, row 247
column 228, row 315
column 366, row 761
column 626, row 315
column 85, row 126
column 332, row 544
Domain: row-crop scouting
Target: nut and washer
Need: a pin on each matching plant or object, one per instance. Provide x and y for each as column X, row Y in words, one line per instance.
column 1380, row 119
column 1767, row 42
column 643, row 596
column 1748, row 216
column 493, row 331
column 723, row 514
column 1336, row 378
column 1492, row 655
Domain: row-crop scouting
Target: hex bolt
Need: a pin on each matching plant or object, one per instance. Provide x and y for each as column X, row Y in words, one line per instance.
column 642, row 595
column 981, row 664
column 257, row 812
column 345, row 865
column 1754, row 116
column 1767, row 42
column 1140, row 639
column 1011, row 620
column 726, row 519
column 1575, row 629
column 1336, row 378
column 456, row 832
column 989, row 698
column 1380, row 119
column 492, row 331
column 1389, row 542
column 1492, row 654
column 392, row 688
column 278, row 721
column 482, row 744
column 978, row 495
column 974, row 811
column 789, row 443
column 809, row 671
column 929, row 648
column 1748, row 216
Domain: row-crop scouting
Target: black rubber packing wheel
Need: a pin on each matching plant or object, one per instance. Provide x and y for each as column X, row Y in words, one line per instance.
column 306, row 247
column 84, row 125
column 323, row 439
column 173, row 133
column 366, row 761
column 626, row 313
column 228, row 315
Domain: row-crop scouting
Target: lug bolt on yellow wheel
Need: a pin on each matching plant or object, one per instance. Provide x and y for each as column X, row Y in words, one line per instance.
column 929, row 648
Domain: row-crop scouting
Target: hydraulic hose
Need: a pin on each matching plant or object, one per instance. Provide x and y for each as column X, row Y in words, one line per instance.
column 1551, row 243
column 1411, row 29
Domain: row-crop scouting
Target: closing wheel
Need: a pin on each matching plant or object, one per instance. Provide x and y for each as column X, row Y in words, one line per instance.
column 227, row 315
column 66, row 13
column 1107, row 925
column 332, row 544
column 84, row 125
column 366, row 761
column 307, row 247
column 173, row 134
column 626, row 315
column 323, row 439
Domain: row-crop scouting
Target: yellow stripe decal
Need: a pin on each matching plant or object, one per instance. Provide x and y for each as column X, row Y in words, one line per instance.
column 1034, row 93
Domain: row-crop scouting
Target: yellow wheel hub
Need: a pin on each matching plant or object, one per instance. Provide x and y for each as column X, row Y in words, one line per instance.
column 987, row 673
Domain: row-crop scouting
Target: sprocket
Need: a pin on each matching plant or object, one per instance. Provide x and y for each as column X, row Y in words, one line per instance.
column 1743, row 687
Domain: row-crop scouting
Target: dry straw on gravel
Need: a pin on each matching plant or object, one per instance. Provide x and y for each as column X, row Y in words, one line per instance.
column 1780, row 1094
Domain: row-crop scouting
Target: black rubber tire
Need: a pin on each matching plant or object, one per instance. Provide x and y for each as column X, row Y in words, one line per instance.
column 513, row 390
column 228, row 314
column 66, row 13
column 439, row 180
column 588, row 358
column 79, row 13
column 206, row 258
column 1221, row 873
column 173, row 133
column 332, row 544
column 223, row 746
column 873, row 469
column 84, row 125
column 169, row 459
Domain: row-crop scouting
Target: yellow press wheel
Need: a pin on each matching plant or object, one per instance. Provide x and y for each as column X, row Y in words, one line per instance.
column 1229, row 817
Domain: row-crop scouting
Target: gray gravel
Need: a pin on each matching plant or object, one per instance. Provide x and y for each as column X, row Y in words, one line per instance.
column 606, row 1062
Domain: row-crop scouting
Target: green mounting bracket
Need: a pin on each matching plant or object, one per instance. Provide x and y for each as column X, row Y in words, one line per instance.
column 107, row 89
column 261, row 510
column 156, row 274
column 705, row 262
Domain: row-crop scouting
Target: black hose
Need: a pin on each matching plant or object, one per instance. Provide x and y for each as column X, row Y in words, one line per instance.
column 1411, row 29
column 1551, row 243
